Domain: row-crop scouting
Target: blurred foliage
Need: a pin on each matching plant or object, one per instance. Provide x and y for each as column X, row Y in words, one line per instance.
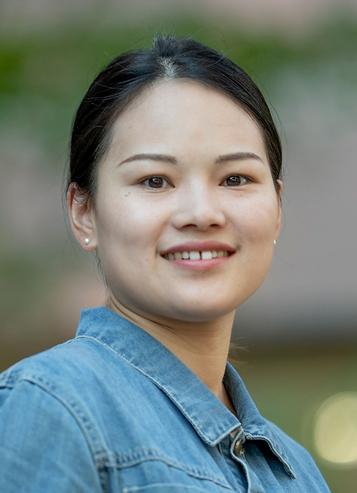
column 44, row 73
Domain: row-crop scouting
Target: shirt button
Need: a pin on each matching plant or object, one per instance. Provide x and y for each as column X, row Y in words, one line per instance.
column 238, row 447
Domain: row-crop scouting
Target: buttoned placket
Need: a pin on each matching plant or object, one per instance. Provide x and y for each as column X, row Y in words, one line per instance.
column 237, row 443
column 232, row 449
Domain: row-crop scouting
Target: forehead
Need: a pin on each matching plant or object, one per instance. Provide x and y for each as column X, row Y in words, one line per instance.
column 185, row 116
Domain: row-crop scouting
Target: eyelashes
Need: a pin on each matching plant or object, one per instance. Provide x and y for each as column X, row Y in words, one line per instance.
column 155, row 182
column 238, row 180
column 159, row 182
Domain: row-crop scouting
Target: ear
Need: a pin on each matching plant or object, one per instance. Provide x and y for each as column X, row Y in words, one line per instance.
column 280, row 189
column 81, row 217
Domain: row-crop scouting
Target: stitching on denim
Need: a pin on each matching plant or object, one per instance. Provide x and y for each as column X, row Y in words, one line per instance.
column 103, row 478
column 85, row 424
column 275, row 451
column 9, row 378
column 136, row 457
column 133, row 489
column 162, row 387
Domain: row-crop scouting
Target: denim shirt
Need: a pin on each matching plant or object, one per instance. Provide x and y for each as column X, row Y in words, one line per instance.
column 113, row 410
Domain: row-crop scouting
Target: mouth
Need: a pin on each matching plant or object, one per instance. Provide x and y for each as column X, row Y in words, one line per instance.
column 198, row 260
column 197, row 255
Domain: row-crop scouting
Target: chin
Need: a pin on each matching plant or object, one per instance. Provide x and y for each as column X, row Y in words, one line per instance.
column 204, row 312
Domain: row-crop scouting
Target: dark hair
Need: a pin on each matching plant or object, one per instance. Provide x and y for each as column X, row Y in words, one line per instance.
column 125, row 76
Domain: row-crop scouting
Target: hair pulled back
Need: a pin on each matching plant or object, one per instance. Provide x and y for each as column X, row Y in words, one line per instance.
column 128, row 74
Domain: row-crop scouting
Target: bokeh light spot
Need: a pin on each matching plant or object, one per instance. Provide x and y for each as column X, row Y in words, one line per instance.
column 335, row 429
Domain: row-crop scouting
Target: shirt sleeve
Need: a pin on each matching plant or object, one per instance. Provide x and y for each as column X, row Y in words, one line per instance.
column 42, row 447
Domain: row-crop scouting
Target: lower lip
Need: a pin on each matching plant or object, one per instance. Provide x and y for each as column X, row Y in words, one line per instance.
column 200, row 265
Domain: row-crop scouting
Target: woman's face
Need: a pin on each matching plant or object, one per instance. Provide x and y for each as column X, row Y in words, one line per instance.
column 204, row 186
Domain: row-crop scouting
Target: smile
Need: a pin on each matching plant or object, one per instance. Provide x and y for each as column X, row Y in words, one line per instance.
column 196, row 255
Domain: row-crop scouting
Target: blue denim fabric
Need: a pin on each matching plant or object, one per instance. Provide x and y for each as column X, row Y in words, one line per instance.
column 113, row 410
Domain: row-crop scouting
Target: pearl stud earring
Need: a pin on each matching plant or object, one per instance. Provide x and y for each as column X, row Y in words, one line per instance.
column 87, row 241
column 275, row 242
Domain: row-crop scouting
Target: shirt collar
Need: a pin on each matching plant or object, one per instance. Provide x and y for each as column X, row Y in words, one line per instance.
column 208, row 416
column 255, row 426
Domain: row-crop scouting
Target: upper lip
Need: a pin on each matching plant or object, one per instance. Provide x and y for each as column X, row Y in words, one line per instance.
column 200, row 246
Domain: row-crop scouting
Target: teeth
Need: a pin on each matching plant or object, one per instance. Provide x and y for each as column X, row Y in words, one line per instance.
column 196, row 255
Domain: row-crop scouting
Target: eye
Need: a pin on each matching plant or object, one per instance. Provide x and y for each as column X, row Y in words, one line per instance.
column 155, row 182
column 236, row 180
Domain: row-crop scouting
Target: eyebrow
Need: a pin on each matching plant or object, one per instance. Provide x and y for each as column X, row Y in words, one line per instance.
column 235, row 156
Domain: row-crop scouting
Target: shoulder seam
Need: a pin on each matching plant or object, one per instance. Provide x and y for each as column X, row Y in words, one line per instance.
column 92, row 437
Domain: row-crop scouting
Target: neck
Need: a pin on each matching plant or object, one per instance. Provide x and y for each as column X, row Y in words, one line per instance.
column 202, row 346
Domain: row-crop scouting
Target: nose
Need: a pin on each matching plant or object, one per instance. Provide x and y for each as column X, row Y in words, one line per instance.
column 199, row 208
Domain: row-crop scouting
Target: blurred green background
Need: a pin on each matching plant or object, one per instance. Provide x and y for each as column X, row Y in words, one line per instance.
column 299, row 331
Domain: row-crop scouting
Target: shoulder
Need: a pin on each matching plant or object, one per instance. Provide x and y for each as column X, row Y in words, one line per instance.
column 82, row 377
column 49, row 410
column 60, row 369
column 42, row 446
column 70, row 373
column 55, row 386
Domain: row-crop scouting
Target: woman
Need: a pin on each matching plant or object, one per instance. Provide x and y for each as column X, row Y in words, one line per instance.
column 175, row 185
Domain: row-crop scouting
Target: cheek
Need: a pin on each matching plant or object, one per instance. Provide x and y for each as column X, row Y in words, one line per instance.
column 124, row 222
column 257, row 221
